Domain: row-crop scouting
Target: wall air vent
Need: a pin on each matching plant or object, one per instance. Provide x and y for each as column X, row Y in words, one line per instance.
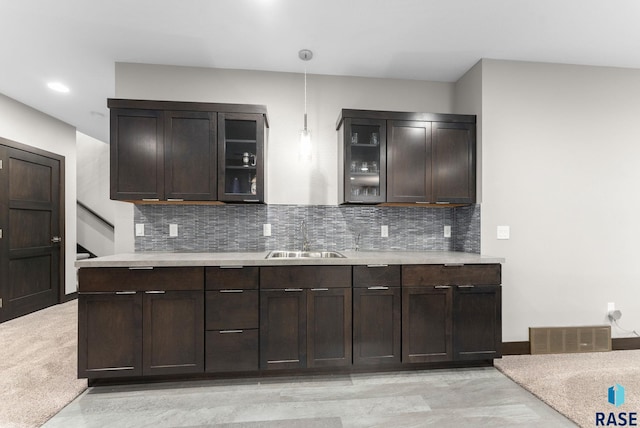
column 564, row 340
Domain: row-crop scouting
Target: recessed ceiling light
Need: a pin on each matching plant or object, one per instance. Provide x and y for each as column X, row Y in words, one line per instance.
column 58, row 87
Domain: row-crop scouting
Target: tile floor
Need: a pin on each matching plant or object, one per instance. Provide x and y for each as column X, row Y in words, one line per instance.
column 473, row 397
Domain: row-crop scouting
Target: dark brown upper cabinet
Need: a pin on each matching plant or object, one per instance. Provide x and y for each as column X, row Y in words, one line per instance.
column 181, row 151
column 421, row 158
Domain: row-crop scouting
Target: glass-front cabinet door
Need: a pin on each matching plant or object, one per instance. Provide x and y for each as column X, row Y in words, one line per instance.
column 365, row 142
column 241, row 151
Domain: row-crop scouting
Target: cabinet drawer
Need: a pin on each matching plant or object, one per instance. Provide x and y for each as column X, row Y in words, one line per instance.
column 480, row 274
column 140, row 279
column 244, row 278
column 305, row 276
column 232, row 309
column 375, row 275
column 231, row 350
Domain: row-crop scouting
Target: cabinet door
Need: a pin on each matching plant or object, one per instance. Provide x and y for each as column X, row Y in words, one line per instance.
column 454, row 164
column 365, row 161
column 409, row 162
column 232, row 350
column 241, row 157
column 426, row 324
column 109, row 335
column 190, row 156
column 376, row 325
column 477, row 327
column 283, row 329
column 329, row 327
column 137, row 154
column 173, row 340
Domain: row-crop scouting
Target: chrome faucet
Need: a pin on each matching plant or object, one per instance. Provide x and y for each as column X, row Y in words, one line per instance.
column 305, row 236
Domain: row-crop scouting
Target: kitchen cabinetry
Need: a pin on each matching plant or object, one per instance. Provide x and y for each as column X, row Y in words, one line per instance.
column 305, row 316
column 451, row 312
column 174, row 151
column 376, row 314
column 242, row 157
column 140, row 322
column 424, row 158
column 232, row 319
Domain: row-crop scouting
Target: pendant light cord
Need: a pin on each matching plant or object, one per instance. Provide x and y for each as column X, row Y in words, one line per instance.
column 305, row 98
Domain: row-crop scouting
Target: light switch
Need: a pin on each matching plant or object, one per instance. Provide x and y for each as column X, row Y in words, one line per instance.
column 139, row 229
column 384, row 231
column 447, row 231
column 504, row 232
column 266, row 229
column 173, row 230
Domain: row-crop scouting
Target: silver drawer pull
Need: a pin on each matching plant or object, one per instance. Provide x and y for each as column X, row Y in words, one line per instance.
column 231, row 291
column 466, row 286
column 154, row 292
column 443, row 202
column 423, row 202
column 293, row 289
column 377, row 265
column 442, row 286
column 151, row 199
column 453, row 264
column 378, row 287
column 251, row 200
column 231, row 267
column 175, row 200
column 319, row 289
column 231, row 331
column 125, row 292
column 141, row 268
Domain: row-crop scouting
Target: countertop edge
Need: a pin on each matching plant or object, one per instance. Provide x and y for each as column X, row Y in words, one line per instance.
column 181, row 259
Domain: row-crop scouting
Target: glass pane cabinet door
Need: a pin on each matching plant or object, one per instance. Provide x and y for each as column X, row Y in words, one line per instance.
column 241, row 153
column 365, row 160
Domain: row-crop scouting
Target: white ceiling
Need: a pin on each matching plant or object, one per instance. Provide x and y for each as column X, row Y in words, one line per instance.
column 78, row 41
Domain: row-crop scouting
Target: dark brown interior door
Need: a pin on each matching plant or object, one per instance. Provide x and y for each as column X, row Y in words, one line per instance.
column 30, row 243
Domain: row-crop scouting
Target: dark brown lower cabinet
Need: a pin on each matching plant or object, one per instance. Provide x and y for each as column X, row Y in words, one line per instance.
column 376, row 325
column 109, row 335
column 173, row 332
column 140, row 333
column 305, row 328
column 427, row 324
column 477, row 322
column 329, row 327
column 283, row 325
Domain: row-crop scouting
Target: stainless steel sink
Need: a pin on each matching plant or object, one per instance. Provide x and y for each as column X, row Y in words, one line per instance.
column 304, row 255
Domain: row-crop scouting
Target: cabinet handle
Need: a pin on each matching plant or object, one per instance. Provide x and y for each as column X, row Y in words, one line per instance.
column 150, row 199
column 423, row 202
column 141, row 268
column 154, row 292
column 231, row 331
column 251, row 200
column 378, row 287
column 442, row 202
column 292, row 289
column 453, row 264
column 231, row 267
column 466, row 286
column 125, row 292
column 442, row 286
column 319, row 289
column 175, row 200
column 231, row 291
column 375, row 266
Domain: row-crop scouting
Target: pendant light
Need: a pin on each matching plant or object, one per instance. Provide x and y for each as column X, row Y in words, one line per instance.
column 304, row 151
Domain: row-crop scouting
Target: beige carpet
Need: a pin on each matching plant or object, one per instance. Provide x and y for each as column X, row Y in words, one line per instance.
column 38, row 359
column 576, row 384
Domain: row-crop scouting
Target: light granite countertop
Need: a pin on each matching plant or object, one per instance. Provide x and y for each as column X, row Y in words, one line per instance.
column 174, row 259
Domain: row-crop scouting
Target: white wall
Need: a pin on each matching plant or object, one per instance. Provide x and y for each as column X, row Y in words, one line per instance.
column 25, row 125
column 93, row 191
column 289, row 182
column 561, row 150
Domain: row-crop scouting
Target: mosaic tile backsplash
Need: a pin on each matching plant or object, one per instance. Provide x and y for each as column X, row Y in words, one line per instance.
column 233, row 228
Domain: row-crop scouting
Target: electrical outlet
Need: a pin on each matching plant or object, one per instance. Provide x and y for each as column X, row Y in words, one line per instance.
column 384, row 231
column 139, row 229
column 173, row 230
column 611, row 306
column 503, row 232
column 447, row 231
column 266, row 229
